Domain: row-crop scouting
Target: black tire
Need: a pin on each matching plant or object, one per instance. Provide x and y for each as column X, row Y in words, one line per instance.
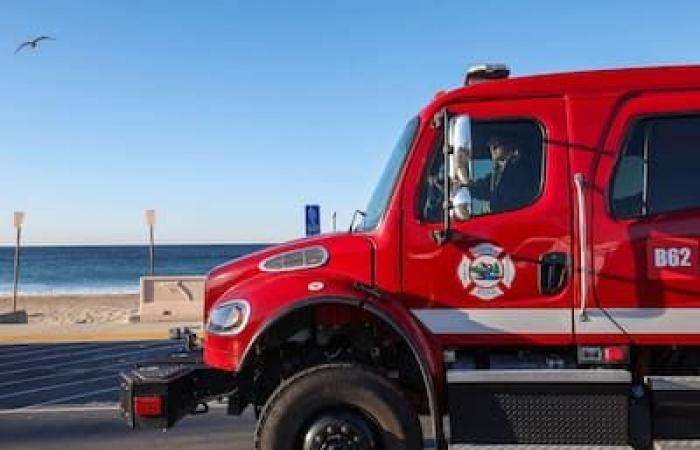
column 342, row 395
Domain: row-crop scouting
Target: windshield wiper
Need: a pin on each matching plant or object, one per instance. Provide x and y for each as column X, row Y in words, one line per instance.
column 354, row 217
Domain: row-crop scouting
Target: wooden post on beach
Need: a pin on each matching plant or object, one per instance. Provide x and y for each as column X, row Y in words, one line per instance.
column 150, row 222
column 19, row 220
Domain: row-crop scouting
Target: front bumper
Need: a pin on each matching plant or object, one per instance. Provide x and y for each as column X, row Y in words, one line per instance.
column 178, row 387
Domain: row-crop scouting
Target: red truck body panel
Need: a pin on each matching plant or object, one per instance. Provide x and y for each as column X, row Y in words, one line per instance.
column 434, row 294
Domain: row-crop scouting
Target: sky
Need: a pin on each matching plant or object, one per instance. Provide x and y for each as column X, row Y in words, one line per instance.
column 228, row 116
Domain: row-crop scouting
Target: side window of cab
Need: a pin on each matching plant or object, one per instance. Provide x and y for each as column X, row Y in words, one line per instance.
column 508, row 162
column 659, row 170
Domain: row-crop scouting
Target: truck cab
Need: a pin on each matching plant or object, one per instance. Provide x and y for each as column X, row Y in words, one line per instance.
column 527, row 266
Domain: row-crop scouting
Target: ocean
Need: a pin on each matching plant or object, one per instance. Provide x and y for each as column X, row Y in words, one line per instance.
column 107, row 269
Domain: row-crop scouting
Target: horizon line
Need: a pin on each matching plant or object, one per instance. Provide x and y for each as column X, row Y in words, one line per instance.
column 127, row 244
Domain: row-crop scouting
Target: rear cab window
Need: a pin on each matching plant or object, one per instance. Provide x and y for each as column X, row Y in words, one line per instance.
column 659, row 170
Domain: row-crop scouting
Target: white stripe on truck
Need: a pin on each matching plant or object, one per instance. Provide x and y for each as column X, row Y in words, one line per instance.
column 641, row 321
column 495, row 320
column 559, row 320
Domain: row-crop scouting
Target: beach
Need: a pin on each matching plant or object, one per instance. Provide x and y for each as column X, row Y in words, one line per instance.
column 75, row 309
column 66, row 285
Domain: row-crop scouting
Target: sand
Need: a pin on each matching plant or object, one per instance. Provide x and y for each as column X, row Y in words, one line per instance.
column 75, row 309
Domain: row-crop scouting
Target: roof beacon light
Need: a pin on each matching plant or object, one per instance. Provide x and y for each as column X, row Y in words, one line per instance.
column 486, row 72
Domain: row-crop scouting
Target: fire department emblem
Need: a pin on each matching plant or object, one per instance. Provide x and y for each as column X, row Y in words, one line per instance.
column 487, row 271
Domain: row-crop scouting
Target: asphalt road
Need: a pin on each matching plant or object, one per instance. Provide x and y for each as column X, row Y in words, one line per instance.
column 104, row 430
column 64, row 396
column 33, row 376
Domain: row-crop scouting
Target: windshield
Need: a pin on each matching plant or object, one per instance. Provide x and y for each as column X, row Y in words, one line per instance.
column 382, row 192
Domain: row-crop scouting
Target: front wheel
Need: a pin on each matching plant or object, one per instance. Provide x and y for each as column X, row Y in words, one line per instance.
column 338, row 406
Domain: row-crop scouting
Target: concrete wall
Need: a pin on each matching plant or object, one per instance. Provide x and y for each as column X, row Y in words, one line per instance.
column 171, row 298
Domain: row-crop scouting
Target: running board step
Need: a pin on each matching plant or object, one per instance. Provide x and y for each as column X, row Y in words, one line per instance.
column 677, row 445
column 658, row 445
column 673, row 383
column 539, row 447
column 675, row 410
column 533, row 409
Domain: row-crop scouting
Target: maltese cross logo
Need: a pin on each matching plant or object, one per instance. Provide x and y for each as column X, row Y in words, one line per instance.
column 487, row 273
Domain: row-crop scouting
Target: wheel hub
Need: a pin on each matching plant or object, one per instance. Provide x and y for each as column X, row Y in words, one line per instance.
column 340, row 432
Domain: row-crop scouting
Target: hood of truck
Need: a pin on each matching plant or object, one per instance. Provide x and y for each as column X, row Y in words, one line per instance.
column 349, row 257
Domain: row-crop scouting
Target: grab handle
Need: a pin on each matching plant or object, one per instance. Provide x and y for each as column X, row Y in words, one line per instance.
column 583, row 244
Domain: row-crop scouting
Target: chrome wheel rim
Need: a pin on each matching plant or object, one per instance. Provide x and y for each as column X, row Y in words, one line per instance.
column 340, row 431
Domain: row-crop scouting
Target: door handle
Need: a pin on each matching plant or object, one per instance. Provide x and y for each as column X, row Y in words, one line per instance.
column 554, row 271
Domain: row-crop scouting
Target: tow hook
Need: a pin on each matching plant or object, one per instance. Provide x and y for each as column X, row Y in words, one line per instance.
column 185, row 334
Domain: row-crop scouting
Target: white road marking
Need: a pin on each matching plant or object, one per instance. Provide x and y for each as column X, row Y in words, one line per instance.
column 73, row 353
column 54, row 386
column 53, row 375
column 73, row 363
column 28, row 350
column 80, row 371
column 71, row 397
column 126, row 353
column 67, row 409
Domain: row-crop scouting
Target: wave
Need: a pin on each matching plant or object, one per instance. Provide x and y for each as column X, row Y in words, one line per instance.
column 76, row 270
column 41, row 291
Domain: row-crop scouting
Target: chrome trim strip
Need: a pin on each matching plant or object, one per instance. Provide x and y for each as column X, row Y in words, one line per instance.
column 244, row 324
column 674, row 444
column 583, row 244
column 669, row 383
column 485, row 321
column 539, row 376
column 495, row 320
column 305, row 265
column 543, row 447
column 676, row 321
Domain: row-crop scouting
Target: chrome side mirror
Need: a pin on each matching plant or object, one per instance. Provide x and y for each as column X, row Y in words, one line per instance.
column 462, row 203
column 460, row 142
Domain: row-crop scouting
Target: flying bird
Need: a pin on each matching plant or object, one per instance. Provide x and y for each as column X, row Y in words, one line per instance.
column 33, row 43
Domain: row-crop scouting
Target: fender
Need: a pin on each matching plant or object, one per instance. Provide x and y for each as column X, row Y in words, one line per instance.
column 283, row 294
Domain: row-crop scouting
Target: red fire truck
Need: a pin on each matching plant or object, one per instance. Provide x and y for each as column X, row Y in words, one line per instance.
column 527, row 266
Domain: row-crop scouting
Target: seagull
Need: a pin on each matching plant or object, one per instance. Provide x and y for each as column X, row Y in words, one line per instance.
column 33, row 43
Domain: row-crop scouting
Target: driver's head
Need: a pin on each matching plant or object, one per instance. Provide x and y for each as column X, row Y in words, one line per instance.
column 502, row 149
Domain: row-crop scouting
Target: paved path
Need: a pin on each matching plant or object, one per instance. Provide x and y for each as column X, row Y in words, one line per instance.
column 78, row 430
column 34, row 376
column 96, row 332
column 63, row 396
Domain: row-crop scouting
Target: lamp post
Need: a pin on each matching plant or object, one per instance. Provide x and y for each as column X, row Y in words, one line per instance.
column 334, row 217
column 19, row 221
column 150, row 223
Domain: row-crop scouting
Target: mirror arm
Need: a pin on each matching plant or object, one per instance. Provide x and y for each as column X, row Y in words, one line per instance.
column 443, row 235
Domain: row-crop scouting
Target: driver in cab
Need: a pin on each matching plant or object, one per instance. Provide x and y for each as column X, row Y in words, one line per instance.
column 502, row 187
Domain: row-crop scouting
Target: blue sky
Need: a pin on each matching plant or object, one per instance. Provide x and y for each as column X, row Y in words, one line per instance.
column 227, row 117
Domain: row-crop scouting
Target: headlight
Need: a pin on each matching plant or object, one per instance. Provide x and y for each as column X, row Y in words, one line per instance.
column 303, row 258
column 229, row 317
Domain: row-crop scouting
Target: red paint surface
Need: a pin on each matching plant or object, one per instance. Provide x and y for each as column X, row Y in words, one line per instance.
column 585, row 116
column 670, row 258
